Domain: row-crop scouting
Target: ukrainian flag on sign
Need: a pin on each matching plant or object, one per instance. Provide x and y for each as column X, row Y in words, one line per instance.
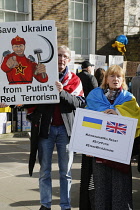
column 92, row 123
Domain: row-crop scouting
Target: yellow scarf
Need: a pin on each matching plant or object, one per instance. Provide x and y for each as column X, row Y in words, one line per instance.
column 130, row 109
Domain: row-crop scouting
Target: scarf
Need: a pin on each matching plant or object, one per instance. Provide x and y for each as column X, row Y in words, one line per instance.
column 111, row 94
column 71, row 82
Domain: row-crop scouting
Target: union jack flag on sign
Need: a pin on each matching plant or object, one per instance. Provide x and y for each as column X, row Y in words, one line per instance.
column 116, row 128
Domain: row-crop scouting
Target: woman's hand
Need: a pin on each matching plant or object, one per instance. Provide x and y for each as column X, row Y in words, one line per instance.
column 59, row 86
column 110, row 111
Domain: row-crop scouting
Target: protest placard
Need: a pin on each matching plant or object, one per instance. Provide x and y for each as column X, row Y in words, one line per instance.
column 97, row 60
column 71, row 63
column 27, row 47
column 116, row 59
column 102, row 135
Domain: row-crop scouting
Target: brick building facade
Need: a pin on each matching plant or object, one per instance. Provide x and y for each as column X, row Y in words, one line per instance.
column 109, row 24
column 53, row 10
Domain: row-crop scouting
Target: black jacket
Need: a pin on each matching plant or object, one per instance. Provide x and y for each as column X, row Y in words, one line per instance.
column 89, row 82
column 68, row 105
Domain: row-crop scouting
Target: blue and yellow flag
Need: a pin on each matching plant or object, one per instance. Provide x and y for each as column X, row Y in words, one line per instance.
column 125, row 103
column 92, row 123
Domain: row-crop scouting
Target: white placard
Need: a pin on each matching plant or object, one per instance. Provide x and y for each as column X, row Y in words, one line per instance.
column 116, row 59
column 3, row 120
column 71, row 63
column 40, row 47
column 97, row 60
column 112, row 139
column 25, row 125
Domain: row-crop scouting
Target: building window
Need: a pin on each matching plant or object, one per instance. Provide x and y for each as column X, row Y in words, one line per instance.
column 133, row 3
column 79, row 26
column 14, row 10
column 132, row 20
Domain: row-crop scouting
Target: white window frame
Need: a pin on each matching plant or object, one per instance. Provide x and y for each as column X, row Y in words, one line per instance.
column 132, row 23
column 28, row 15
column 92, row 23
column 133, row 3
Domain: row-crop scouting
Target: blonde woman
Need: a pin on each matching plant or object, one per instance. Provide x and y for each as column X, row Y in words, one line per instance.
column 112, row 180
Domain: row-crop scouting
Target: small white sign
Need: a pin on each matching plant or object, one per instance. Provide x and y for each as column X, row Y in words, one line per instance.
column 97, row 60
column 22, row 123
column 3, row 120
column 102, row 135
column 116, row 59
column 71, row 63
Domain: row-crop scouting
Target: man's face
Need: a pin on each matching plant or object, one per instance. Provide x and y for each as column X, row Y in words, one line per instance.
column 90, row 69
column 19, row 49
column 63, row 59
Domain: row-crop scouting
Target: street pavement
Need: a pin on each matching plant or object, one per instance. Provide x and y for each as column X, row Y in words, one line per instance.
column 19, row 191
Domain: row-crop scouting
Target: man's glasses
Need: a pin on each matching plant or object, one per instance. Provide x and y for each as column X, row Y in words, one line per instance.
column 65, row 57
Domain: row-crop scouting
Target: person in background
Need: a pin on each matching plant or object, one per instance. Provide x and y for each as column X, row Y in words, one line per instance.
column 99, row 75
column 135, row 85
column 112, row 180
column 135, row 89
column 55, row 130
column 89, row 82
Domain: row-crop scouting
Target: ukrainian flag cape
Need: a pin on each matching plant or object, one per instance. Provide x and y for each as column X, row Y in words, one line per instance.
column 125, row 103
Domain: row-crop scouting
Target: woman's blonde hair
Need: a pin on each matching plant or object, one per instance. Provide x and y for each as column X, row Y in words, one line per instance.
column 114, row 69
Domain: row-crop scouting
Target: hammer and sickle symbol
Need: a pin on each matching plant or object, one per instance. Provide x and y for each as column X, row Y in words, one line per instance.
column 50, row 56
